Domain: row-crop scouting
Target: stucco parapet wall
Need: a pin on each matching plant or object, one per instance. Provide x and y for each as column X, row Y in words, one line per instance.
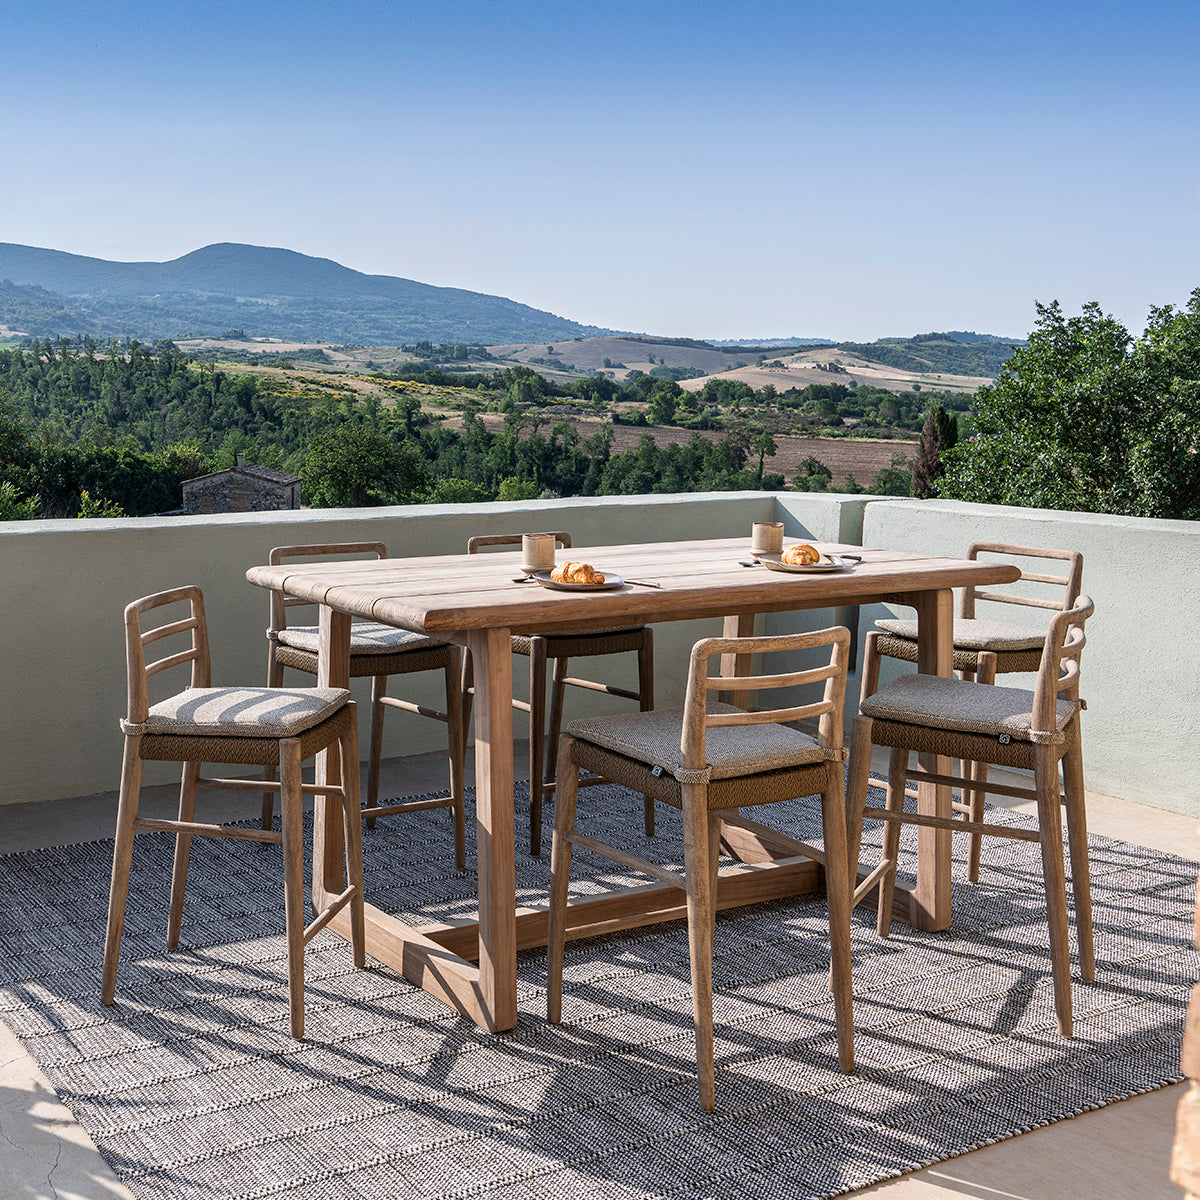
column 65, row 583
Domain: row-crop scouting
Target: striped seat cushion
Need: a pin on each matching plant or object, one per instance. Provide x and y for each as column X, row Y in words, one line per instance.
column 955, row 704
column 245, row 711
column 972, row 634
column 366, row 637
column 732, row 750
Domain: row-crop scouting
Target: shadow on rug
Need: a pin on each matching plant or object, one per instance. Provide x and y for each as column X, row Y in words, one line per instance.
column 191, row 1086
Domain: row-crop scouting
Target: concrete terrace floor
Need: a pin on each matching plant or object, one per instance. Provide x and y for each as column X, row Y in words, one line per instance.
column 1121, row 1151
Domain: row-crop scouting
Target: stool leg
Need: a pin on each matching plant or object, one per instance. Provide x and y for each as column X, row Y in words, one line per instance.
column 558, row 691
column 978, row 772
column 1045, row 773
column 378, row 690
column 274, row 680
column 352, row 825
column 700, row 829
column 897, row 766
column 127, row 807
column 857, row 775
column 560, row 877
column 645, row 704
column 871, row 658
column 838, row 889
column 183, row 847
column 457, row 734
column 537, row 735
column 1081, row 877
column 291, row 810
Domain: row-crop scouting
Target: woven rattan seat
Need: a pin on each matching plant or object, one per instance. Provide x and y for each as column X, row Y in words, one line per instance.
column 656, row 739
column 366, row 638
column 970, row 634
column 709, row 759
column 248, row 726
column 244, row 712
column 376, row 652
column 965, row 707
column 983, row 724
column 984, row 647
column 559, row 648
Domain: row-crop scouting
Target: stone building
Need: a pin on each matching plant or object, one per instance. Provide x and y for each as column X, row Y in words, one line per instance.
column 244, row 488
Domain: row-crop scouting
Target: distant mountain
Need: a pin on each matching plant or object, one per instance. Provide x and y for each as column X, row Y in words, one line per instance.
column 267, row 292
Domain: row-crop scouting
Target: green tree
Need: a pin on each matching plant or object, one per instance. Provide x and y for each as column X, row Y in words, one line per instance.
column 1084, row 418
column 895, row 479
column 764, row 446
column 517, row 489
column 939, row 434
column 14, row 506
column 353, row 466
column 98, row 507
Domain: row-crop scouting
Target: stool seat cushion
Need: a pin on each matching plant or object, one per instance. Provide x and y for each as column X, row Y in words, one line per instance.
column 366, row 637
column 245, row 711
column 972, row 634
column 732, row 750
column 967, row 707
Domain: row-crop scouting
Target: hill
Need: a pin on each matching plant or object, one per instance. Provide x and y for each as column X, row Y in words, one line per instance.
column 948, row 353
column 262, row 290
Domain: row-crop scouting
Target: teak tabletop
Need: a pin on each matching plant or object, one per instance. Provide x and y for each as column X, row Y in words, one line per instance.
column 474, row 601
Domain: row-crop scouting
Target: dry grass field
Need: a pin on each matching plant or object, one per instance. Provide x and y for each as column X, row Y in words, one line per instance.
column 861, row 458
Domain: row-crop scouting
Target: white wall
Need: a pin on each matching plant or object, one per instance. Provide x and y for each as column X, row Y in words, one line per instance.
column 64, row 584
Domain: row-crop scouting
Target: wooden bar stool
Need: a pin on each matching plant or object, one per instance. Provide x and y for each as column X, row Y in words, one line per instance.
column 247, row 726
column 376, row 651
column 1010, row 727
column 710, row 759
column 560, row 648
column 983, row 649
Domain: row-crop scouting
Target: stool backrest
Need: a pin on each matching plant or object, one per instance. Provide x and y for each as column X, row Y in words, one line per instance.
column 138, row 671
column 1059, row 673
column 280, row 602
column 829, row 709
column 1070, row 582
column 561, row 540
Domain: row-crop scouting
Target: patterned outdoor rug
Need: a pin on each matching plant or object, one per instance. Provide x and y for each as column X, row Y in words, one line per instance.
column 191, row 1086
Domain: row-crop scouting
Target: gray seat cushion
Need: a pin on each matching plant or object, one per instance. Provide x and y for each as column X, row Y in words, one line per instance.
column 732, row 750
column 973, row 634
column 955, row 704
column 245, row 711
column 366, row 637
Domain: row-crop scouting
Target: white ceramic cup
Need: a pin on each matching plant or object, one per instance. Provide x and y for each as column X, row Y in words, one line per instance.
column 537, row 552
column 766, row 537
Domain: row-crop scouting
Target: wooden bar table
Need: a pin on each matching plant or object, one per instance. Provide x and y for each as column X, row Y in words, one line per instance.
column 475, row 602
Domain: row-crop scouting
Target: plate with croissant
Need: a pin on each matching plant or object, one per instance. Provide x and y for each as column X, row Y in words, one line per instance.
column 805, row 559
column 579, row 577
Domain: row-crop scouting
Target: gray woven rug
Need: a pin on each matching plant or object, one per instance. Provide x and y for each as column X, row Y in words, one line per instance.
column 191, row 1086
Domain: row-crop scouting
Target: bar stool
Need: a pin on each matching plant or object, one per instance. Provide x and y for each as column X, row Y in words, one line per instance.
column 560, row 648
column 263, row 726
column 377, row 651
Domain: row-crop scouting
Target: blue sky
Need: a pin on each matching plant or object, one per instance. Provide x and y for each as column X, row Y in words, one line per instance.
column 695, row 169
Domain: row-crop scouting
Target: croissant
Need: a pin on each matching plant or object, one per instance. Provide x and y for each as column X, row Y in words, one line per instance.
column 576, row 572
column 801, row 555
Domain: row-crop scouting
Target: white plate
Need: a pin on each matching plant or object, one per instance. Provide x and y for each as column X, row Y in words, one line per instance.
column 611, row 583
column 828, row 563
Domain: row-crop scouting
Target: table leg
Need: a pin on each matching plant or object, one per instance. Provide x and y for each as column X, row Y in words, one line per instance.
column 930, row 902
column 333, row 670
column 736, row 625
column 491, row 653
